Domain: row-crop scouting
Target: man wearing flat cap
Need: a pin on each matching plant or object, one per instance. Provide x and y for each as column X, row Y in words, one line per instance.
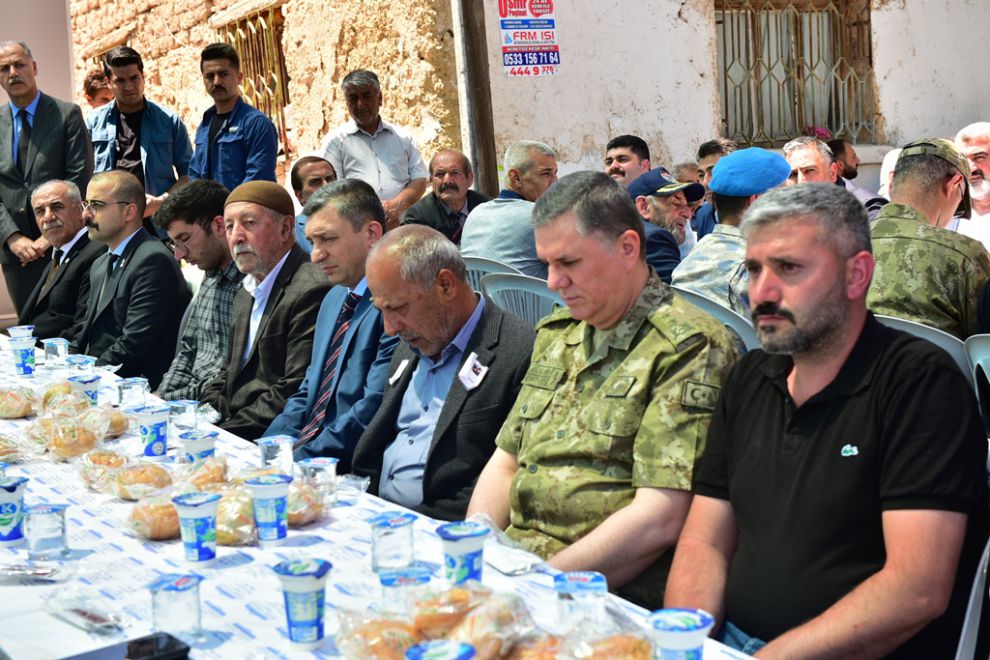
column 924, row 272
column 665, row 204
column 715, row 268
column 274, row 315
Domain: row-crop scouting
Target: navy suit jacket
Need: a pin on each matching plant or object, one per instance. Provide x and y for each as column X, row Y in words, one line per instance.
column 662, row 251
column 357, row 385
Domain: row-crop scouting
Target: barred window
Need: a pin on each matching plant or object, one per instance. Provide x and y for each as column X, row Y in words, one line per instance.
column 786, row 66
column 256, row 35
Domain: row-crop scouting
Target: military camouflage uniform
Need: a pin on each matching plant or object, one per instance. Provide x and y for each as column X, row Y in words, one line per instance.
column 924, row 273
column 590, row 426
column 715, row 270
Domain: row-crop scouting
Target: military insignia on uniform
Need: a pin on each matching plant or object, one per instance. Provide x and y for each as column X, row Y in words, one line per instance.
column 699, row 395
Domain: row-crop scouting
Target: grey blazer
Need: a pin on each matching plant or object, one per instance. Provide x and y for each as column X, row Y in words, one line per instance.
column 59, row 149
column 464, row 438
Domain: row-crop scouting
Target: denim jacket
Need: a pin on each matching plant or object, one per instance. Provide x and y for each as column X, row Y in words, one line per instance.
column 164, row 144
column 245, row 148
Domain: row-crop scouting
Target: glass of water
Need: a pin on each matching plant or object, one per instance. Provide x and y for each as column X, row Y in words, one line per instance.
column 44, row 527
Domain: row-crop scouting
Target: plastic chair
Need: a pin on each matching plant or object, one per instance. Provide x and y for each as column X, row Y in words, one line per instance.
column 478, row 267
column 978, row 352
column 948, row 343
column 734, row 321
column 971, row 623
column 526, row 297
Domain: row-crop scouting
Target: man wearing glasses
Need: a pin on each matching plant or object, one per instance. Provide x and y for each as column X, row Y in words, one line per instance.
column 137, row 295
column 193, row 219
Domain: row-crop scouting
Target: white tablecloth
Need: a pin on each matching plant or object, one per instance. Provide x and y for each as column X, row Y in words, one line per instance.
column 242, row 610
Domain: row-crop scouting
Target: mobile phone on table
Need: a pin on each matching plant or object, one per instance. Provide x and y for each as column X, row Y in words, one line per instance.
column 156, row 646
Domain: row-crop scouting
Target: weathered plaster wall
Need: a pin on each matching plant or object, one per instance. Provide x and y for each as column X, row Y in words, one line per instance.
column 408, row 44
column 928, row 82
column 645, row 67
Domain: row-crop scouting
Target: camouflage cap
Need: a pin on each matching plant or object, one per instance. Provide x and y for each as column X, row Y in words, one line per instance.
column 946, row 150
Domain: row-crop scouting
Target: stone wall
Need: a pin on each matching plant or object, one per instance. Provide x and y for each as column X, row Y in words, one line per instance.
column 409, row 45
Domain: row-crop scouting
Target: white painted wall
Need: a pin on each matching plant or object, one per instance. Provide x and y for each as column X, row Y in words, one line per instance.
column 645, row 67
column 44, row 26
column 931, row 73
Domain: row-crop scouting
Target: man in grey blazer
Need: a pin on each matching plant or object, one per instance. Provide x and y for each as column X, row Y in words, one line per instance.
column 137, row 295
column 452, row 380
column 274, row 315
column 41, row 138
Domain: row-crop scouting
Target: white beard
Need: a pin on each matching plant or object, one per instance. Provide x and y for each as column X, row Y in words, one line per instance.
column 980, row 189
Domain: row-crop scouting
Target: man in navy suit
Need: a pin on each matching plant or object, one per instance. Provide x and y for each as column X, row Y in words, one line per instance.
column 351, row 352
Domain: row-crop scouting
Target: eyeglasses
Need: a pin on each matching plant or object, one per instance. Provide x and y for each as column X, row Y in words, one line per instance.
column 95, row 205
column 181, row 242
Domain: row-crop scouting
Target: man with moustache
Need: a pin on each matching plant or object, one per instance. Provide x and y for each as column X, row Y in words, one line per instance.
column 137, row 135
column 235, row 143
column 627, row 157
column 840, row 506
column 137, row 295
column 347, row 370
column 308, row 174
column 974, row 143
column 447, row 207
column 274, row 314
column 41, row 138
column 192, row 218
column 665, row 206
column 58, row 301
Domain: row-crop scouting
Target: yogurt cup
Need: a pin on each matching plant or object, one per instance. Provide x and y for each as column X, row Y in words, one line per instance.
column 87, row 386
column 463, row 548
column 12, row 510
column 401, row 587
column 679, row 633
column 198, row 445
column 276, row 452
column 153, row 423
column 441, row 649
column 304, row 588
column 270, row 494
column 22, row 349
column 20, row 331
column 198, row 526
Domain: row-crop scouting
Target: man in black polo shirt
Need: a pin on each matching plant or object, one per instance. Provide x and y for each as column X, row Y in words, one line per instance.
column 841, row 503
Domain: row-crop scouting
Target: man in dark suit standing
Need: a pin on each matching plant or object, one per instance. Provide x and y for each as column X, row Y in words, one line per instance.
column 447, row 207
column 274, row 316
column 41, row 138
column 452, row 379
column 58, row 301
column 137, row 294
column 346, row 375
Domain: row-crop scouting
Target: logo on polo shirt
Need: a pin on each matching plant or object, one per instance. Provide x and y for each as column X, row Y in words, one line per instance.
column 849, row 450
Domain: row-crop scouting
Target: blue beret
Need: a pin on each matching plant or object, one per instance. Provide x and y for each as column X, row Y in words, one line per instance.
column 748, row 172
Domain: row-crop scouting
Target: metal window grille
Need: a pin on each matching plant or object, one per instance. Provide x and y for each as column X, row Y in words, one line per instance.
column 257, row 38
column 787, row 66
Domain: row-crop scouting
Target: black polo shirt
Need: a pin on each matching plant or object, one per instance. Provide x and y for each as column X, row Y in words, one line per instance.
column 898, row 428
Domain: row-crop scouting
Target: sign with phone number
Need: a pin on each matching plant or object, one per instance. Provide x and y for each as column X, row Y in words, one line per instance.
column 529, row 38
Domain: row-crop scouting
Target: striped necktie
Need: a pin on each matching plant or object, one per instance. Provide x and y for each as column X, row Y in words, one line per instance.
column 330, row 370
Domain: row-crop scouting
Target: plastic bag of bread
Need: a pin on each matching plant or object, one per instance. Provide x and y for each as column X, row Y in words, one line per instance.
column 361, row 636
column 439, row 612
column 211, row 470
column 494, row 626
column 16, row 402
column 60, row 397
column 115, row 422
column 95, row 466
column 155, row 518
column 537, row 645
column 139, row 480
column 626, row 645
column 235, row 514
column 10, row 449
column 242, row 477
column 305, row 504
column 72, row 437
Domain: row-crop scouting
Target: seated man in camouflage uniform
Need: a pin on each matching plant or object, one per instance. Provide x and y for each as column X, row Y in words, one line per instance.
column 714, row 268
column 594, row 462
column 924, row 272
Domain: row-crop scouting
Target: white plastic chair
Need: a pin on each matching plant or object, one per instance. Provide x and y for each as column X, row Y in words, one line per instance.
column 948, row 343
column 978, row 353
column 526, row 297
column 734, row 321
column 971, row 623
column 478, row 267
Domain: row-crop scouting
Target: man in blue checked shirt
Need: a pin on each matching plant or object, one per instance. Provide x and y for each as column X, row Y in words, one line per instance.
column 137, row 135
column 235, row 142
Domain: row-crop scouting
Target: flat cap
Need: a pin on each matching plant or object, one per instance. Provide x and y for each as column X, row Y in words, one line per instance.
column 266, row 193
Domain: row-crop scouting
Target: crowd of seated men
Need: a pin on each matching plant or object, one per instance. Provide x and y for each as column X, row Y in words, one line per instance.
column 824, row 495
